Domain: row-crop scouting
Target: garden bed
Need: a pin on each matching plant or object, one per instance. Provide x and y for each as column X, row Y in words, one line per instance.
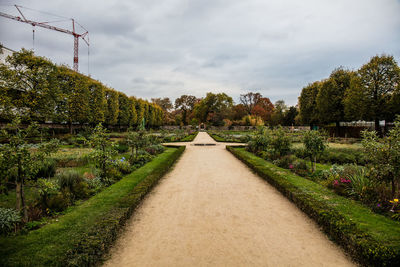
column 84, row 234
column 369, row 238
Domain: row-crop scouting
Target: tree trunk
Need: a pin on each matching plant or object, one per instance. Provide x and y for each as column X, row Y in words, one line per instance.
column 70, row 128
column 377, row 128
column 25, row 211
column 337, row 129
column 18, row 195
column 393, row 189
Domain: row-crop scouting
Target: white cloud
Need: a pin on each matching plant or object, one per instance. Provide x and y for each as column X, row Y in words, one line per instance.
column 173, row 47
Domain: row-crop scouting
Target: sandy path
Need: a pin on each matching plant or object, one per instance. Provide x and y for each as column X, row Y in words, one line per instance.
column 211, row 210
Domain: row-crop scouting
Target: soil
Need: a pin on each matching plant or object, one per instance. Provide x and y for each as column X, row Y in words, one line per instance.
column 211, row 210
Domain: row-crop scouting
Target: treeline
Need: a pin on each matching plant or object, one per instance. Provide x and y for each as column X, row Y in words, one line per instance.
column 371, row 93
column 220, row 110
column 36, row 89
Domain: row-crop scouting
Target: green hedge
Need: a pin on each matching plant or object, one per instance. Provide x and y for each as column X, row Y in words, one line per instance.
column 85, row 233
column 189, row 138
column 218, row 138
column 369, row 238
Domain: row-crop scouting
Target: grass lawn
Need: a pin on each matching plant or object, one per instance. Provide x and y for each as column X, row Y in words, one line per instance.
column 50, row 244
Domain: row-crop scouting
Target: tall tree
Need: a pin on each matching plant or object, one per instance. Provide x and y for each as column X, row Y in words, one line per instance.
column 330, row 104
column 97, row 102
column 186, row 104
column 112, row 107
column 249, row 100
column 27, row 86
column 214, row 108
column 376, row 84
column 279, row 113
column 308, row 105
column 263, row 108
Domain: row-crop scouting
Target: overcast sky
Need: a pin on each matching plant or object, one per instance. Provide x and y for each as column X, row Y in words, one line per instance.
column 150, row 48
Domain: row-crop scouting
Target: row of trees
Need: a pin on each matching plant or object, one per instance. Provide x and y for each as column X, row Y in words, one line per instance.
column 219, row 109
column 371, row 93
column 36, row 89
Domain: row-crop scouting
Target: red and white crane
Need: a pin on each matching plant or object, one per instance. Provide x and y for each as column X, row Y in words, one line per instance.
column 84, row 35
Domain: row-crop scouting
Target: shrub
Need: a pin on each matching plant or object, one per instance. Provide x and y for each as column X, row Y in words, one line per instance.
column 280, row 143
column 361, row 187
column 124, row 166
column 32, row 225
column 59, row 202
column 155, row 149
column 122, row 147
column 47, row 169
column 47, row 188
column 9, row 219
column 73, row 182
column 95, row 185
column 314, row 143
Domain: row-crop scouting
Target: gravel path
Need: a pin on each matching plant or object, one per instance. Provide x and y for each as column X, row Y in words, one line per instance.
column 211, row 210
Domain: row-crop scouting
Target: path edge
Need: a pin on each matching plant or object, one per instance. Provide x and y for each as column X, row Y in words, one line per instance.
column 96, row 243
column 341, row 229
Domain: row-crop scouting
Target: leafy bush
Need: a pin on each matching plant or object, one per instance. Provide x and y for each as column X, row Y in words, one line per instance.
column 124, row 166
column 72, row 181
column 260, row 141
column 122, row 147
column 315, row 144
column 59, row 202
column 32, row 225
column 155, row 149
column 47, row 169
column 95, row 185
column 47, row 189
column 362, row 187
column 9, row 218
column 280, row 143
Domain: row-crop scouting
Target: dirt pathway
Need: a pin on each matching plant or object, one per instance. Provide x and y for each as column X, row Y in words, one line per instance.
column 211, row 210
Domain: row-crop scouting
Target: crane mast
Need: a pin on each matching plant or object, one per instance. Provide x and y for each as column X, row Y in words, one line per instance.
column 84, row 35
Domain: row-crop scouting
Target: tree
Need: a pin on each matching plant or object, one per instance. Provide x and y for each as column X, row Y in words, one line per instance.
column 308, row 105
column 289, row 117
column 278, row 116
column 112, row 107
column 132, row 111
column 384, row 156
column 19, row 161
column 27, row 87
column 374, row 88
column 314, row 144
column 239, row 111
column 186, row 104
column 97, row 102
column 124, row 107
column 214, row 108
column 164, row 103
column 249, row 100
column 103, row 151
column 330, row 104
column 263, row 108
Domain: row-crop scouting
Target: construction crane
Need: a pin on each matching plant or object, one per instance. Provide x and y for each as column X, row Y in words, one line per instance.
column 84, row 36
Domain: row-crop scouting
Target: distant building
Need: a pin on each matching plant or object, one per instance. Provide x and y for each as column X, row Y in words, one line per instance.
column 4, row 53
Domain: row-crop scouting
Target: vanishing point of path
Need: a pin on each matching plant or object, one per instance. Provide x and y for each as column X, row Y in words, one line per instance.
column 211, row 210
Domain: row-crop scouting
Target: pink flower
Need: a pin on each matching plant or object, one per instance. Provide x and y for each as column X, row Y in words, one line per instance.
column 290, row 166
column 336, row 182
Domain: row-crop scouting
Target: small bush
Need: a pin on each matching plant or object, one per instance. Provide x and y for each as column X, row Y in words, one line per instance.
column 59, row 202
column 32, row 225
column 155, row 149
column 124, row 166
column 47, row 169
column 122, row 147
column 9, row 219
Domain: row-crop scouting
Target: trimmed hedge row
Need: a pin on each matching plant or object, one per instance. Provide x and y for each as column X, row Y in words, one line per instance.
column 369, row 238
column 189, row 138
column 84, row 235
column 218, row 138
